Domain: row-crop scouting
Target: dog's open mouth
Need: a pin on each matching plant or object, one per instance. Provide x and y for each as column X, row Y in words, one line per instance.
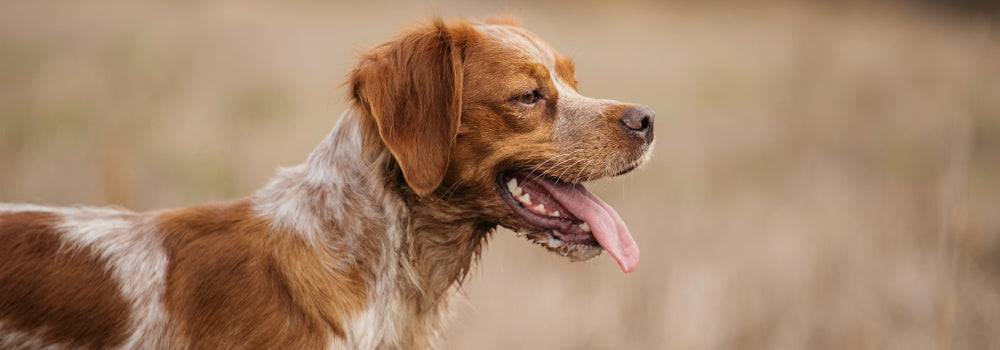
column 568, row 218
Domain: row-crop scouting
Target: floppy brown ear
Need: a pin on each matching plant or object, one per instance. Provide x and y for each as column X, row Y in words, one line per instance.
column 412, row 87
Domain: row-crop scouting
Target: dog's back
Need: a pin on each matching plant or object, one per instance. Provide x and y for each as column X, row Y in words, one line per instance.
column 61, row 276
column 209, row 276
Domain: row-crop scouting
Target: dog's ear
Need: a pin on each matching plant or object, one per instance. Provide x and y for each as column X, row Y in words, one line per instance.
column 412, row 87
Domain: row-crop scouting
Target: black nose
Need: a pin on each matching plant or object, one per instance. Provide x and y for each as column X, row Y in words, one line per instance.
column 638, row 122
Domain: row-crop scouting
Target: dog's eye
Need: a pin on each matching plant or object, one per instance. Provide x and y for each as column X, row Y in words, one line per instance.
column 528, row 98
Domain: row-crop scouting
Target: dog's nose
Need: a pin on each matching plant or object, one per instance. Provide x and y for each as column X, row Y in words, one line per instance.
column 638, row 122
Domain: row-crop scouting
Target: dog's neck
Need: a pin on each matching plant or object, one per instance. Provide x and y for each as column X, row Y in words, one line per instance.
column 350, row 197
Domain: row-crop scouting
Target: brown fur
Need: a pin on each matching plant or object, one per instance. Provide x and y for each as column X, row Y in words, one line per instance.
column 412, row 87
column 61, row 291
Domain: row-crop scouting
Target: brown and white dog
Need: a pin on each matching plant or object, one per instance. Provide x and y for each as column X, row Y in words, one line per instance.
column 453, row 130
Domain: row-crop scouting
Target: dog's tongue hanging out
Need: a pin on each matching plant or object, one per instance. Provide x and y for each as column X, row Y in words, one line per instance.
column 607, row 227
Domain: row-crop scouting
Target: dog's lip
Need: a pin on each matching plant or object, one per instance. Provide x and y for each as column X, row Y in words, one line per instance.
column 565, row 227
column 627, row 169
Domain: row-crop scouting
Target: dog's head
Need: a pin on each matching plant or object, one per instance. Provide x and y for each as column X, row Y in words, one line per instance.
column 487, row 117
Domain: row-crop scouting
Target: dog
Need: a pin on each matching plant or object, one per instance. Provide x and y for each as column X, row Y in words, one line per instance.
column 453, row 128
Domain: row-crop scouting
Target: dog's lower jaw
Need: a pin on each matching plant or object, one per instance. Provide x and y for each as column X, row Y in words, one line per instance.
column 573, row 251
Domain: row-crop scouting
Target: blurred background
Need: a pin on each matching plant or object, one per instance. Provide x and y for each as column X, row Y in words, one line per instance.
column 826, row 175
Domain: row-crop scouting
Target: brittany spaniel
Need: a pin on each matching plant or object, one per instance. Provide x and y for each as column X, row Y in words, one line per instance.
column 453, row 129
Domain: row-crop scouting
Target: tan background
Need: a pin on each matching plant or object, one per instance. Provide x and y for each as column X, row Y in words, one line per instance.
column 825, row 176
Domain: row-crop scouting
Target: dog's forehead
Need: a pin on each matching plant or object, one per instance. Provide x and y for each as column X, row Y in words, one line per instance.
column 522, row 41
column 527, row 45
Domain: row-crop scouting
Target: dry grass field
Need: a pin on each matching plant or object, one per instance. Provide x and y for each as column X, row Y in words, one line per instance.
column 825, row 176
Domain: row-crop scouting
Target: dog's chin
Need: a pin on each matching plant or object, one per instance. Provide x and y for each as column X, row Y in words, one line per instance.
column 549, row 240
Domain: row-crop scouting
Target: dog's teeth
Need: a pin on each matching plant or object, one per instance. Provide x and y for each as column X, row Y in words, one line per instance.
column 525, row 198
column 585, row 227
column 540, row 208
column 513, row 188
column 554, row 214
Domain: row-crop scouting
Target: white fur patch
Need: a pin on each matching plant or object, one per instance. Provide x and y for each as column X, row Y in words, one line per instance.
column 136, row 258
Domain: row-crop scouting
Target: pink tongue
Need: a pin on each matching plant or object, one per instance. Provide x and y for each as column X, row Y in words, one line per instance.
column 604, row 222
